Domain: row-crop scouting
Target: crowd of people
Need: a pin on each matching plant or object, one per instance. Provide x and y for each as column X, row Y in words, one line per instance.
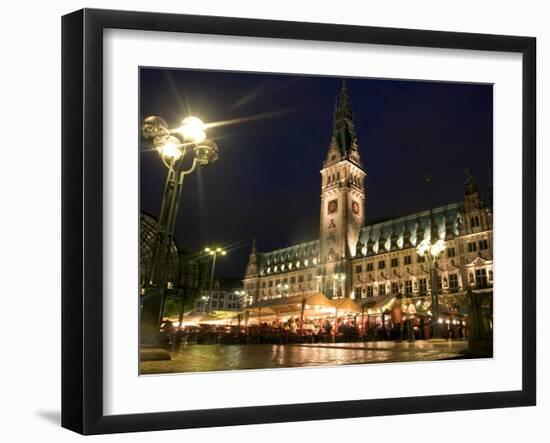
column 405, row 323
column 400, row 322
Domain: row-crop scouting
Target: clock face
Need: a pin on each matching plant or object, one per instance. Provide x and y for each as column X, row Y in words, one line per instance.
column 332, row 206
column 355, row 207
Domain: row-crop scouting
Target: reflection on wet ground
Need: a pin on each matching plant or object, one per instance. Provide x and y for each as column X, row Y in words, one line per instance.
column 204, row 358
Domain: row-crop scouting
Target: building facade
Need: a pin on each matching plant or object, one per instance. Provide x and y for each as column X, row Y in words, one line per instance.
column 357, row 260
column 219, row 299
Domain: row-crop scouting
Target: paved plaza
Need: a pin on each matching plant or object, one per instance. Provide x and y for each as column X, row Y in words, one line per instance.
column 205, row 358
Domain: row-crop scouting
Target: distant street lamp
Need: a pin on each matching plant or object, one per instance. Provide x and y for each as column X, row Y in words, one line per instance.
column 173, row 146
column 205, row 306
column 432, row 249
column 243, row 298
column 282, row 288
column 341, row 279
column 214, row 252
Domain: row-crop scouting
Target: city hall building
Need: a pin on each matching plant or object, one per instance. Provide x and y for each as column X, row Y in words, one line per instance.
column 357, row 260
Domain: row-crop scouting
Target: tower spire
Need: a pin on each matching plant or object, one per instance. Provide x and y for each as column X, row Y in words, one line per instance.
column 344, row 141
column 470, row 184
column 343, row 109
column 252, row 267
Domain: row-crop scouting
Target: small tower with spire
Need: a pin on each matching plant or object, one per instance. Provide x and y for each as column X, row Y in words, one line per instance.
column 251, row 281
column 252, row 267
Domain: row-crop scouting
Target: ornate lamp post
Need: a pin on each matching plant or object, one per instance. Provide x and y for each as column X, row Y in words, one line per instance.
column 431, row 249
column 174, row 147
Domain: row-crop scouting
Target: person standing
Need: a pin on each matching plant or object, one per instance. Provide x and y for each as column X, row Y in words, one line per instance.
column 293, row 326
column 410, row 312
column 397, row 319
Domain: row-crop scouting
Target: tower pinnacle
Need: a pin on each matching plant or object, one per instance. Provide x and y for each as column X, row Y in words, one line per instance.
column 343, row 143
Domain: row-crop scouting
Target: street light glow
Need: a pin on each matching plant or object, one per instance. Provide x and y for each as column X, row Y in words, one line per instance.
column 192, row 129
column 171, row 148
column 435, row 250
column 423, row 247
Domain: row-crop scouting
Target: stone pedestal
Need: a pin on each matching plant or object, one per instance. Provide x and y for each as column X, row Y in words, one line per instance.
column 153, row 353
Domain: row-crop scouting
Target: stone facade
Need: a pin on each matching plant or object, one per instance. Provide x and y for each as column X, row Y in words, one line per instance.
column 355, row 260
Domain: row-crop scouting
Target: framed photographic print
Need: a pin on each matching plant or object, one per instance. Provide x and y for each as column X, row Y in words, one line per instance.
column 269, row 221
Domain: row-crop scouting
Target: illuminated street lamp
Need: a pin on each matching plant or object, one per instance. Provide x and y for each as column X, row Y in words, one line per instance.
column 341, row 282
column 205, row 305
column 282, row 287
column 174, row 146
column 432, row 249
column 214, row 252
column 244, row 299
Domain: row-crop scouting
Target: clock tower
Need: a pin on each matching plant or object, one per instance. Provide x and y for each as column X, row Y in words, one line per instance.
column 342, row 201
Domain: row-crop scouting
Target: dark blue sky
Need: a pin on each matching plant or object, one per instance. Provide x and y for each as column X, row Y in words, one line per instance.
column 266, row 184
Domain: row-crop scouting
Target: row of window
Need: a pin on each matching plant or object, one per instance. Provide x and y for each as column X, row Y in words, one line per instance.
column 222, row 296
column 479, row 279
column 289, row 266
column 480, row 245
column 334, row 177
column 221, row 305
column 284, row 281
column 394, row 262
column 408, row 288
column 288, row 290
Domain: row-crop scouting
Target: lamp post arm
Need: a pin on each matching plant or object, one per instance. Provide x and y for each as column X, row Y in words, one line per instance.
column 213, row 268
column 188, row 171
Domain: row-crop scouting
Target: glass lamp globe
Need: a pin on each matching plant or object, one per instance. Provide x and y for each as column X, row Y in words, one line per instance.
column 207, row 152
column 153, row 126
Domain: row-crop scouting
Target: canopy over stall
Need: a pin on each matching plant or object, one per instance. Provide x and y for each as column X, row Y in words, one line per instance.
column 375, row 303
column 294, row 305
column 345, row 305
column 290, row 304
column 194, row 318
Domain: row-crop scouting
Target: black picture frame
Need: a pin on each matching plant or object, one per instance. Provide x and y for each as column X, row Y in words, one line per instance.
column 82, row 218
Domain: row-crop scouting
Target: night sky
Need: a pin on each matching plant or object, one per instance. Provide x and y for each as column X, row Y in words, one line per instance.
column 266, row 183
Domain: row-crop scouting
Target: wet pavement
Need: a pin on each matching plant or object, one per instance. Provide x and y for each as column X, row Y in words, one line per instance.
column 205, row 358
